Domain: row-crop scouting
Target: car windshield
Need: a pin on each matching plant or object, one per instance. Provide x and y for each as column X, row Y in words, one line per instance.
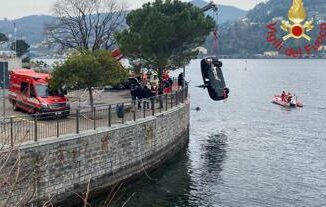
column 45, row 91
column 42, row 90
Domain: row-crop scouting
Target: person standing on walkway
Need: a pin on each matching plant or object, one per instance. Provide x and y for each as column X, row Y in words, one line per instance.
column 147, row 95
column 180, row 80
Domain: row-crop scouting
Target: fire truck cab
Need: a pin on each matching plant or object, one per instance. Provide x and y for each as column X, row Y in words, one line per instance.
column 29, row 91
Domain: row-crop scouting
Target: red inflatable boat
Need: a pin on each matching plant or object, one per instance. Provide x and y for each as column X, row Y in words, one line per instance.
column 293, row 103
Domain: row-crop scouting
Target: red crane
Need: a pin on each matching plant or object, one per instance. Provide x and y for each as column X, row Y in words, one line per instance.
column 212, row 6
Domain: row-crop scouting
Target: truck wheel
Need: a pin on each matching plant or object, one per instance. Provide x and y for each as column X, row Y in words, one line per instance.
column 14, row 106
column 36, row 114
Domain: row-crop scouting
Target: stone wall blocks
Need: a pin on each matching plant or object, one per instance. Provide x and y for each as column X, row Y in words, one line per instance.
column 100, row 155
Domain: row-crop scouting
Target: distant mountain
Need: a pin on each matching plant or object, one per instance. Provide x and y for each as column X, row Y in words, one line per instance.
column 30, row 28
column 226, row 13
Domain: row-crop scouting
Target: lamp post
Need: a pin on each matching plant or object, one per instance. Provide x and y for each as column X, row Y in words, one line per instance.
column 3, row 93
column 184, row 83
column 15, row 38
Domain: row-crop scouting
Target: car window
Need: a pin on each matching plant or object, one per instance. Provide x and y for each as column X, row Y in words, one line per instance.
column 24, row 87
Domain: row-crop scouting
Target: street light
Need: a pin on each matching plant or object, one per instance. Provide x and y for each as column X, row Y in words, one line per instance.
column 4, row 92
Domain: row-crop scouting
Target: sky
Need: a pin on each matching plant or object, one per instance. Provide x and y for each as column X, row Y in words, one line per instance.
column 13, row 9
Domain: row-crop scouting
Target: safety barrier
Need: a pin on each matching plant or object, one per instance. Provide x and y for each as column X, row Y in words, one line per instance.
column 20, row 129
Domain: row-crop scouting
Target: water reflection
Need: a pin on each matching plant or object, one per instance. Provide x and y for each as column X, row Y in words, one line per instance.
column 171, row 183
column 213, row 155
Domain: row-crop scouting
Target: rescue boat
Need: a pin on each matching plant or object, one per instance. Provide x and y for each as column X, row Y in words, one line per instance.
column 293, row 103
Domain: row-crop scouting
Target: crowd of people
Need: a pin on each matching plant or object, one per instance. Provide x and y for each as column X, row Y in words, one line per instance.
column 147, row 87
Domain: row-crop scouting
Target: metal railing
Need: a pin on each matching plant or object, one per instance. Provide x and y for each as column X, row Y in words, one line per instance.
column 19, row 129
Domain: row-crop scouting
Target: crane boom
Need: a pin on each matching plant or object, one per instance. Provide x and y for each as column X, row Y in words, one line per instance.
column 210, row 6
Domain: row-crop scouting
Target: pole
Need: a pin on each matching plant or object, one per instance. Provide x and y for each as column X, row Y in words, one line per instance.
column 11, row 131
column 35, row 128
column 184, row 83
column 77, row 121
column 109, row 118
column 15, row 37
column 4, row 92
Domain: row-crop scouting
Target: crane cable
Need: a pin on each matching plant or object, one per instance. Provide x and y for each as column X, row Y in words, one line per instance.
column 216, row 33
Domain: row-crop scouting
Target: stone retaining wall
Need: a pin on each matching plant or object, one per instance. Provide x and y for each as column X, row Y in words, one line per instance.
column 57, row 169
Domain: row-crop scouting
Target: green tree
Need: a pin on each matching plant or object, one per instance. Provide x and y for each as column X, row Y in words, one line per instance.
column 3, row 38
column 163, row 34
column 22, row 47
column 87, row 70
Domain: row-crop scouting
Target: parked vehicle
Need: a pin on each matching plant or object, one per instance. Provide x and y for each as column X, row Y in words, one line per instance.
column 30, row 92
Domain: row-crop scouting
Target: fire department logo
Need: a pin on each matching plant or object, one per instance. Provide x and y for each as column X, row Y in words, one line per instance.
column 297, row 16
column 296, row 27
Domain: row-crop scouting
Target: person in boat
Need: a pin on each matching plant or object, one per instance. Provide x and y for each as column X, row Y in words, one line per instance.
column 289, row 97
column 283, row 96
column 294, row 100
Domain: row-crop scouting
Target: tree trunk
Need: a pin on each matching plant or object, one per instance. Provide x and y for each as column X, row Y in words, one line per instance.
column 160, row 73
column 91, row 100
column 138, row 70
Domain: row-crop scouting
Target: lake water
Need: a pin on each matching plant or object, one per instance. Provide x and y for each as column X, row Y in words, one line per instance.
column 247, row 151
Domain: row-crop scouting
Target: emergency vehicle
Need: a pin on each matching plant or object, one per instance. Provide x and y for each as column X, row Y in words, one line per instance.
column 29, row 91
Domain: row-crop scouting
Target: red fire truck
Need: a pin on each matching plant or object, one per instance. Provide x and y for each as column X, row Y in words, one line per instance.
column 29, row 91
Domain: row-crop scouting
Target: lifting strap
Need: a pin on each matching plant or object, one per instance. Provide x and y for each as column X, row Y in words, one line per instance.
column 216, row 33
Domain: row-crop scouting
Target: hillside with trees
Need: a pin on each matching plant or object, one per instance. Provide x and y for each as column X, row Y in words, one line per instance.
column 247, row 37
column 32, row 28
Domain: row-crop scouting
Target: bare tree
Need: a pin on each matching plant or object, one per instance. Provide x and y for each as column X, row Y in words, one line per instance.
column 86, row 24
column 18, row 178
